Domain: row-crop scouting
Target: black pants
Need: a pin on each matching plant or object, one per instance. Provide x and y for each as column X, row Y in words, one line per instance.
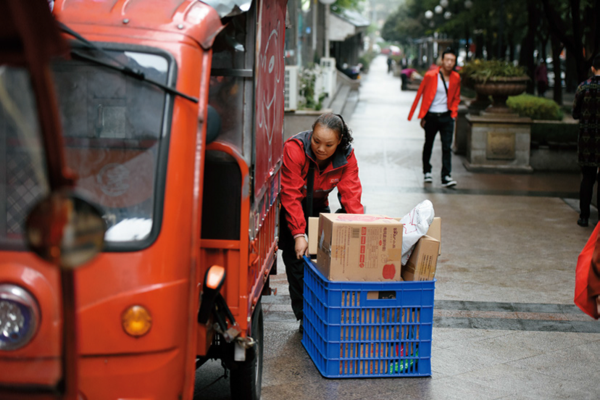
column 294, row 268
column 445, row 126
column 403, row 82
column 586, row 189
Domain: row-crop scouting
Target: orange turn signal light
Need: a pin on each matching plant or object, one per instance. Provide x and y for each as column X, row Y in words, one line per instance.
column 136, row 321
column 215, row 276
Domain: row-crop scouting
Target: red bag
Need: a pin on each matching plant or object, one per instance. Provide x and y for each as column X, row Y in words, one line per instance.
column 584, row 263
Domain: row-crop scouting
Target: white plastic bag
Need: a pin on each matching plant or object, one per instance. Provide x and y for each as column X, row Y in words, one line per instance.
column 416, row 224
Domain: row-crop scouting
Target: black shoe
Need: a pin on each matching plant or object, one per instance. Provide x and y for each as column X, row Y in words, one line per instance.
column 447, row 181
column 301, row 328
column 582, row 222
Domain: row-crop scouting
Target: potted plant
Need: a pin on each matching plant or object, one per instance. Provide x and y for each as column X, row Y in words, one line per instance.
column 498, row 79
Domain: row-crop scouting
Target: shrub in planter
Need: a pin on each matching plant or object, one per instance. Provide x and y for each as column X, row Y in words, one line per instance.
column 308, row 96
column 535, row 107
column 483, row 70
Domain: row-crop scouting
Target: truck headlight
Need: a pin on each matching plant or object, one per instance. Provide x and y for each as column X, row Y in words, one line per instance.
column 19, row 317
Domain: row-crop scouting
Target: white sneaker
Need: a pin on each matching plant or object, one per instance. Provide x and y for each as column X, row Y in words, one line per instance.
column 427, row 177
column 447, row 181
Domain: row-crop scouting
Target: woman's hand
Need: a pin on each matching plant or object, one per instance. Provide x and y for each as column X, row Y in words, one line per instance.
column 423, row 123
column 598, row 304
column 301, row 247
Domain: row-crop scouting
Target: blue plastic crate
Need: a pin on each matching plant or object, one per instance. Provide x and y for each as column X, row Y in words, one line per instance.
column 367, row 329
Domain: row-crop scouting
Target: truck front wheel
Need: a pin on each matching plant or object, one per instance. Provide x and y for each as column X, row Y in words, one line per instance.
column 246, row 380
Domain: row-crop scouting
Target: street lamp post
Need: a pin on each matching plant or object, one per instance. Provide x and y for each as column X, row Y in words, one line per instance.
column 327, row 4
column 439, row 9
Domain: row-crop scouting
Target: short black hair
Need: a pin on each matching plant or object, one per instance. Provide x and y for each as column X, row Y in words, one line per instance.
column 596, row 62
column 448, row 50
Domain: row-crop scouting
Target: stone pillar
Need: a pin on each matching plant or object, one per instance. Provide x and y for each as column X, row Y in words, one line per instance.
column 498, row 143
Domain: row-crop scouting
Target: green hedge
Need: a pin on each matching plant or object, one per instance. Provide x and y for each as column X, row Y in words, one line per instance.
column 535, row 107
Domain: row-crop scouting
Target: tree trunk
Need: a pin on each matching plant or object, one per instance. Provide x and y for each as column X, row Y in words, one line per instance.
column 543, row 45
column 526, row 59
column 574, row 42
column 467, row 41
column 582, row 71
column 592, row 39
column 489, row 45
column 571, row 78
column 556, row 50
column 511, row 47
column 478, row 45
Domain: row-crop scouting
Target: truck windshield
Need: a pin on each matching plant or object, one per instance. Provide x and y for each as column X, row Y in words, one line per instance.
column 115, row 130
column 23, row 174
column 113, row 127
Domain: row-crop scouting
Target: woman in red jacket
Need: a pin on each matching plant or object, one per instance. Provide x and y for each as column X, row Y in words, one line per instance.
column 326, row 151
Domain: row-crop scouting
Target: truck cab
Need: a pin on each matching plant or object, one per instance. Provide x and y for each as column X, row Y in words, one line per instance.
column 172, row 118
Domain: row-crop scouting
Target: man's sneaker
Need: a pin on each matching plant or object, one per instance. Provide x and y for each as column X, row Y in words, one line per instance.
column 427, row 177
column 447, row 181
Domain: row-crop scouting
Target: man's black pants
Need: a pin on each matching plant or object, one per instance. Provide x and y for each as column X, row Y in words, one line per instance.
column 586, row 189
column 444, row 124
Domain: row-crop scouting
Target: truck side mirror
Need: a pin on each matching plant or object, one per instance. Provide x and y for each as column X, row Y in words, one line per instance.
column 65, row 230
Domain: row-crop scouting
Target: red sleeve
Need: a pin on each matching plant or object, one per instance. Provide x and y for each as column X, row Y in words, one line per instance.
column 350, row 188
column 455, row 99
column 292, row 183
column 594, row 274
column 419, row 94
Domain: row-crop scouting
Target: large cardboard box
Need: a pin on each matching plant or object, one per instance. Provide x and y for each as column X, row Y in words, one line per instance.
column 422, row 263
column 359, row 247
column 435, row 231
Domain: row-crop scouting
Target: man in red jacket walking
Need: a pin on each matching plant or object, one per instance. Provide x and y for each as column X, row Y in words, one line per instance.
column 440, row 89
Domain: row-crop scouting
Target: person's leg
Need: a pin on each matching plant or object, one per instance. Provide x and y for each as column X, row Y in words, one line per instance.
column 294, row 268
column 446, row 134
column 431, row 129
column 586, row 190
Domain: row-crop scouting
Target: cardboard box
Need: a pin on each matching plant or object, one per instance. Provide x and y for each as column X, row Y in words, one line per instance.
column 435, row 231
column 423, row 261
column 359, row 247
column 313, row 234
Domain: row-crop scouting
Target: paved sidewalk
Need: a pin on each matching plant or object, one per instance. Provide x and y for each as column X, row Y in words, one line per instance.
column 505, row 325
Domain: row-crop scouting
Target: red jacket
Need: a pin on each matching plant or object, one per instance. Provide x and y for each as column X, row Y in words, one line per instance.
column 428, row 88
column 341, row 172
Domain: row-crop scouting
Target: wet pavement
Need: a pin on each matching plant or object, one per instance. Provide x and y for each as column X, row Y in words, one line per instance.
column 505, row 326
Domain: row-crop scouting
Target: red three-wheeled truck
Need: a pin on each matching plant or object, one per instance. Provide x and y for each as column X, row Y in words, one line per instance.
column 140, row 148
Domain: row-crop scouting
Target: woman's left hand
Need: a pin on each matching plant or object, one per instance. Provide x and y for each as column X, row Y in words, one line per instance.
column 301, row 247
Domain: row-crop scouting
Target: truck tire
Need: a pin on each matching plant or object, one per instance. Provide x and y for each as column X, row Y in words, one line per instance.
column 246, row 380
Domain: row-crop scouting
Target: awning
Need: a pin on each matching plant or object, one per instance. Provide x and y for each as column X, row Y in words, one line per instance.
column 346, row 23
